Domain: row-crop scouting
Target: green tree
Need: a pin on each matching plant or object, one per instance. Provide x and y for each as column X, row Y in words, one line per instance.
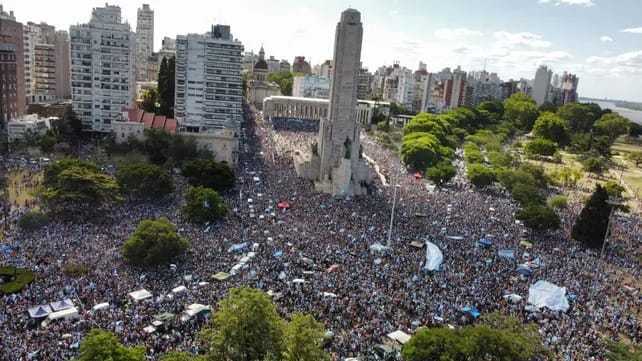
column 304, row 338
column 558, row 202
column 441, row 173
column 422, row 150
column 167, row 86
column 101, row 345
column 480, row 175
column 54, row 169
column 540, row 147
column 203, row 205
column 538, row 217
column 580, row 117
column 612, row 126
column 209, row 174
column 619, row 351
column 153, row 243
column 436, row 344
column 551, row 127
column 493, row 111
column 590, row 226
column 635, row 130
column 144, row 181
column 521, row 110
column 246, row 327
column 594, row 164
column 150, row 100
column 181, row 356
column 284, row 80
column 79, row 190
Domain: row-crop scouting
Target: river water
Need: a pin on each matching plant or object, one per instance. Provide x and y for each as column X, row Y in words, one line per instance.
column 633, row 115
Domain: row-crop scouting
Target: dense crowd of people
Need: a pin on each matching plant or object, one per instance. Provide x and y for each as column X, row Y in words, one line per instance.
column 315, row 255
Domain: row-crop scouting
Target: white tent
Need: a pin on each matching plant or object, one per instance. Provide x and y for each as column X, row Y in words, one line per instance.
column 513, row 298
column 62, row 305
column 100, row 306
column 378, row 247
column 140, row 295
column 545, row 294
column 40, row 311
column 434, row 257
column 193, row 310
column 399, row 336
column 298, row 280
column 329, row 294
column 179, row 289
column 149, row 329
column 66, row 314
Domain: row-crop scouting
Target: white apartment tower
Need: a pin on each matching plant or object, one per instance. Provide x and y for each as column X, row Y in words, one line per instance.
column 209, row 92
column 144, row 40
column 102, row 68
column 542, row 84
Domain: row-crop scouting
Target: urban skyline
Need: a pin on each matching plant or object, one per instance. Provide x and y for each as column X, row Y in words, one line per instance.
column 597, row 40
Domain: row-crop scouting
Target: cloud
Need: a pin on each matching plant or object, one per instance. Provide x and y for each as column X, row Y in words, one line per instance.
column 632, row 30
column 587, row 3
column 525, row 39
column 457, row 34
column 622, row 64
column 606, row 39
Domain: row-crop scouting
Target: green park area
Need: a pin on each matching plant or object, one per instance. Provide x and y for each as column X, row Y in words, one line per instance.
column 14, row 279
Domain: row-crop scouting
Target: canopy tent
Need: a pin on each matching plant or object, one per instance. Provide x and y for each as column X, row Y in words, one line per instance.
column 221, row 276
column 455, row 238
column 193, row 310
column 140, row 295
column 40, row 311
column 471, row 311
column 203, row 284
column 485, row 242
column 434, row 257
column 65, row 314
column 283, row 205
column 417, row 244
column 506, row 253
column 329, row 294
column 378, row 247
column 179, row 289
column 545, row 294
column 149, row 329
column 100, row 307
column 399, row 336
column 61, row 305
column 513, row 298
column 164, row 317
column 298, row 281
column 238, row 247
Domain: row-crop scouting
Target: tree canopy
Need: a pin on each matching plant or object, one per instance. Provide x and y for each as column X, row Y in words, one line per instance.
column 612, row 126
column 304, row 337
column 441, row 173
column 553, row 128
column 144, row 180
column 153, row 243
column 209, row 174
column 521, row 110
column 580, row 117
column 167, row 86
column 77, row 188
column 203, row 205
column 590, row 226
column 101, row 345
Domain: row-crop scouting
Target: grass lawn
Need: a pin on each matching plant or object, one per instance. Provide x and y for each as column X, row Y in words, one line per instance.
column 23, row 187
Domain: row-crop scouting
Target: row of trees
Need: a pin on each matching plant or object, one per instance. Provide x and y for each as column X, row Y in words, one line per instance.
column 160, row 100
column 246, row 327
column 496, row 338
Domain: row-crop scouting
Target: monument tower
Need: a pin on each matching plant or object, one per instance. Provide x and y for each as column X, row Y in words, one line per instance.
column 336, row 163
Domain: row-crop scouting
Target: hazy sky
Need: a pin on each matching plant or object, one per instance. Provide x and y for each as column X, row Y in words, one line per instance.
column 600, row 40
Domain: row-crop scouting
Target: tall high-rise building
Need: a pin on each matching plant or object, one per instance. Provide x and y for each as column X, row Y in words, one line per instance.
column 337, row 165
column 11, row 33
column 47, row 62
column 8, row 85
column 102, row 68
column 569, row 84
column 542, row 84
column 301, row 66
column 209, row 92
column 144, row 40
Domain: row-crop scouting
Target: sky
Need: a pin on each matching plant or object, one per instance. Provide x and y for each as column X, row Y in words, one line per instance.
column 599, row 40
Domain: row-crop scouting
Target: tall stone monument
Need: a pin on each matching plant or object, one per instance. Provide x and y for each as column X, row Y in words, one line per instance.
column 335, row 163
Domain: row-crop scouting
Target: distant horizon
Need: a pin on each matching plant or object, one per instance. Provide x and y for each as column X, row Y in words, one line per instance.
column 598, row 40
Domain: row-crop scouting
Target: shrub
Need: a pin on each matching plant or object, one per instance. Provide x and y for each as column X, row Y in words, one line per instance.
column 540, row 146
column 17, row 279
column 558, row 202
